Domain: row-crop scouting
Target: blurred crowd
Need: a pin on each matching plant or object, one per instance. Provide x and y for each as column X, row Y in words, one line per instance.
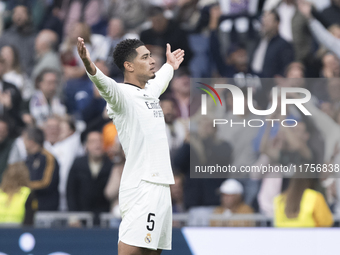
column 53, row 119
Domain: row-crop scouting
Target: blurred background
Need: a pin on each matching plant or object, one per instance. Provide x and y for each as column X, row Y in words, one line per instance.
column 61, row 160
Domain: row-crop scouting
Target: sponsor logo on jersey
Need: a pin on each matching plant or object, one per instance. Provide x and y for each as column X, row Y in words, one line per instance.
column 153, row 105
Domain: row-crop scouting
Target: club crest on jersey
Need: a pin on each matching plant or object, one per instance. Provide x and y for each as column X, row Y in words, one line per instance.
column 148, row 238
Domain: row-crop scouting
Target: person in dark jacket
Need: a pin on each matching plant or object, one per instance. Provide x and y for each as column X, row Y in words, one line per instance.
column 273, row 54
column 165, row 31
column 6, row 143
column 88, row 177
column 331, row 15
column 43, row 168
column 10, row 99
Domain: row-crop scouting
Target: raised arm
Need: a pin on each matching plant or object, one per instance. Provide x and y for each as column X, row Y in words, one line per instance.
column 323, row 36
column 85, row 57
column 106, row 86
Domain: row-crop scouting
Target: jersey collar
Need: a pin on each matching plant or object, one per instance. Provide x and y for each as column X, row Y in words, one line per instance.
column 132, row 84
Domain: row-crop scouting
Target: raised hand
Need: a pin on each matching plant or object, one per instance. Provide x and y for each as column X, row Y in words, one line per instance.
column 85, row 56
column 174, row 58
column 82, row 51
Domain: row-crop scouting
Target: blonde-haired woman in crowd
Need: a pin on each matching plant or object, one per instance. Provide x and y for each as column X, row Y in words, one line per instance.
column 17, row 203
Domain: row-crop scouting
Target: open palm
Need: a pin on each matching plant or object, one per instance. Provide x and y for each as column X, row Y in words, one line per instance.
column 82, row 50
column 174, row 58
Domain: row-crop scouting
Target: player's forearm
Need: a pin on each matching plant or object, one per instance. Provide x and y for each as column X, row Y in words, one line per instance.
column 89, row 66
column 164, row 75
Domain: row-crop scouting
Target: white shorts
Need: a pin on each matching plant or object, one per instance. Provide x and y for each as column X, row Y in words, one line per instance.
column 146, row 216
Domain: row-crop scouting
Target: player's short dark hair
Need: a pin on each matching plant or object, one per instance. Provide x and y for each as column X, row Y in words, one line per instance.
column 36, row 135
column 126, row 51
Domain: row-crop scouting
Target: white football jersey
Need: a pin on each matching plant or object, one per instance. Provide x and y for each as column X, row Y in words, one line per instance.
column 141, row 127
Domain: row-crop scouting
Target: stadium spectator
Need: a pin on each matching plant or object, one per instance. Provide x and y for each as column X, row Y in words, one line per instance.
column 292, row 144
column 272, row 184
column 10, row 99
column 288, row 146
column 13, row 73
column 165, row 31
column 46, row 55
column 175, row 128
column 293, row 28
column 331, row 15
column 330, row 66
column 301, row 206
column 296, row 149
column 53, row 19
column 91, row 12
column 186, row 13
column 333, row 89
column 17, row 202
column 102, row 123
column 18, row 152
column 329, row 127
column 241, row 140
column 91, row 104
column 65, row 150
column 88, row 177
column 236, row 60
column 273, row 53
column 6, row 143
column 323, row 36
column 21, row 31
column 115, row 33
column 45, row 102
column 110, row 137
column 206, row 150
column 180, row 89
column 132, row 12
column 231, row 192
column 43, row 168
column 51, row 131
column 295, row 70
column 72, row 64
column 35, row 9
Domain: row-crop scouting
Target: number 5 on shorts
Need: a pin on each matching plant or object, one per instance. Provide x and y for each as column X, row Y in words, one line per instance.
column 150, row 221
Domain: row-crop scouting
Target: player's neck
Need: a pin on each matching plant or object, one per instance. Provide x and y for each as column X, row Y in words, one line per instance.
column 134, row 81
